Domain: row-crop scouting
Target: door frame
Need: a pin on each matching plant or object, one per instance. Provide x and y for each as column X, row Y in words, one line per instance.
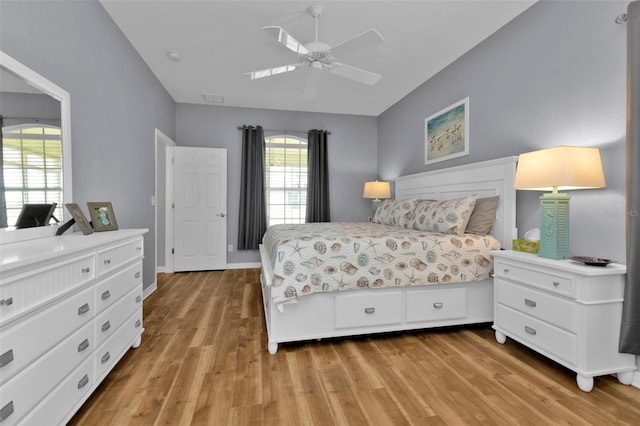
column 164, row 184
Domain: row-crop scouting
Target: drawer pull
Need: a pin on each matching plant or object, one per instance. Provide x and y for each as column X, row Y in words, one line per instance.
column 106, row 326
column 107, row 261
column 438, row 305
column 529, row 330
column 369, row 310
column 139, row 248
column 556, row 283
column 6, row 358
column 106, row 295
column 6, row 411
column 138, row 275
column 530, row 302
column 83, row 345
column 138, row 323
column 138, row 299
column 6, row 302
column 105, row 357
column 83, row 309
column 86, row 270
column 506, row 270
column 83, row 382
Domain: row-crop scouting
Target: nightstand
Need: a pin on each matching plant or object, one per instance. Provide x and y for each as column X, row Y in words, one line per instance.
column 565, row 310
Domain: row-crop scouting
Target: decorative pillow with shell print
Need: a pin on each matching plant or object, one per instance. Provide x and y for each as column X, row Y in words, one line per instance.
column 395, row 212
column 446, row 216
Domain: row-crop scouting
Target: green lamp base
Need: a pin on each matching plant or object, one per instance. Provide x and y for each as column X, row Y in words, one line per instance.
column 375, row 203
column 554, row 226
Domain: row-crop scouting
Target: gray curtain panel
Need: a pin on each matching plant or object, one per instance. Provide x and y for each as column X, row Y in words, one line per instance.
column 252, row 223
column 317, row 178
column 630, row 330
column 3, row 200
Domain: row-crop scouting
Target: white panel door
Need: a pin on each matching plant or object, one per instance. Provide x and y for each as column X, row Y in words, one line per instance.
column 200, row 219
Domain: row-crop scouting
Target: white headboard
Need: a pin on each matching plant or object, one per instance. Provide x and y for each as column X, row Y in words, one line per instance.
column 486, row 178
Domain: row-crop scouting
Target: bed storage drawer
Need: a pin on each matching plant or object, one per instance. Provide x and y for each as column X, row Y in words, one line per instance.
column 362, row 310
column 433, row 305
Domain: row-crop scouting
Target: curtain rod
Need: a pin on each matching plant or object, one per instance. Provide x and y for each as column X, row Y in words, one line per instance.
column 36, row 119
column 282, row 131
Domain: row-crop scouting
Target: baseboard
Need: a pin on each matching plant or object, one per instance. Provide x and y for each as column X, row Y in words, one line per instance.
column 244, row 265
column 160, row 269
column 146, row 292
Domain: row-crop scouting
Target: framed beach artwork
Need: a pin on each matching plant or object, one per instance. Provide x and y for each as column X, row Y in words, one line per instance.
column 446, row 133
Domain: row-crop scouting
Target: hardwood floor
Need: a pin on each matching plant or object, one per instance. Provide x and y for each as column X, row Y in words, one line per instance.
column 203, row 360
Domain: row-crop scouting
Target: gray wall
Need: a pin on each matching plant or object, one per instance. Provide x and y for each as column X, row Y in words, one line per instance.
column 20, row 108
column 116, row 103
column 352, row 154
column 553, row 76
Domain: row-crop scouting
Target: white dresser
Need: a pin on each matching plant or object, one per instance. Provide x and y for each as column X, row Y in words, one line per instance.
column 565, row 310
column 70, row 307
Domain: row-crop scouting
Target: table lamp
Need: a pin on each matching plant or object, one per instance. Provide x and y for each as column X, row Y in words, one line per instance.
column 559, row 168
column 376, row 190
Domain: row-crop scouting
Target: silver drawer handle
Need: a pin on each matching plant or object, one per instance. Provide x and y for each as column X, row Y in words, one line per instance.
column 437, row 305
column 6, row 302
column 83, row 345
column 556, row 283
column 107, row 261
column 6, row 411
column 529, row 330
column 138, row 274
column 83, row 382
column 86, row 270
column 138, row 323
column 506, row 270
column 530, row 302
column 106, row 326
column 83, row 309
column 105, row 358
column 6, row 358
column 138, row 299
column 139, row 248
column 369, row 310
column 106, row 295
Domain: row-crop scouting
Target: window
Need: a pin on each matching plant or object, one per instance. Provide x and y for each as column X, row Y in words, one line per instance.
column 32, row 167
column 286, row 158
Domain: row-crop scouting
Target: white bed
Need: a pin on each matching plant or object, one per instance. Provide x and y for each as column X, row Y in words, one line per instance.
column 367, row 311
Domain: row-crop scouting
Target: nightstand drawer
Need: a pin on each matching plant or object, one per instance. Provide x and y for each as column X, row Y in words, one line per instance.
column 546, row 307
column 555, row 283
column 553, row 341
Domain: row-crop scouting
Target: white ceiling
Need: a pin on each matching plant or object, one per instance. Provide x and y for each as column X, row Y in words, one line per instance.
column 220, row 41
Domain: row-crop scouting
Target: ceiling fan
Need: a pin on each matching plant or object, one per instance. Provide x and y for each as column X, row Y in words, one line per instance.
column 319, row 56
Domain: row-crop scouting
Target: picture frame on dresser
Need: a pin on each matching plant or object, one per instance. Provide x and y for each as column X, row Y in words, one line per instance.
column 79, row 218
column 102, row 216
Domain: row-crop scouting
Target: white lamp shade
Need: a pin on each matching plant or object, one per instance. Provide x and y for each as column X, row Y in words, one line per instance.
column 560, row 168
column 377, row 189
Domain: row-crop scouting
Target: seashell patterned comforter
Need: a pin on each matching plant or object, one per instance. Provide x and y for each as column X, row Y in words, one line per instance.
column 335, row 256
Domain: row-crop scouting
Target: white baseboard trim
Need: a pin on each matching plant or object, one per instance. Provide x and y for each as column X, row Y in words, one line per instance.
column 244, row 265
column 160, row 269
column 146, row 292
column 636, row 379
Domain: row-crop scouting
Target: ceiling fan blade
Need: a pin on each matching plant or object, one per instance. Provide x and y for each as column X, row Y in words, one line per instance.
column 268, row 72
column 313, row 81
column 363, row 41
column 286, row 39
column 355, row 74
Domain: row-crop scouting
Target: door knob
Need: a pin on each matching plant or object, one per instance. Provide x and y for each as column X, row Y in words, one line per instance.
column 221, row 214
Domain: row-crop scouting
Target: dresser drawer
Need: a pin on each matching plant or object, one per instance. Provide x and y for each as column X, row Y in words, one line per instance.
column 110, row 259
column 20, row 346
column 361, row 310
column 111, row 319
column 116, row 286
column 556, row 311
column 32, row 384
column 56, row 408
column 433, row 305
column 27, row 291
column 120, row 341
column 552, row 340
column 552, row 282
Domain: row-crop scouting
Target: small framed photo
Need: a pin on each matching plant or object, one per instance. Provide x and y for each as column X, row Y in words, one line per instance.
column 80, row 219
column 446, row 133
column 102, row 216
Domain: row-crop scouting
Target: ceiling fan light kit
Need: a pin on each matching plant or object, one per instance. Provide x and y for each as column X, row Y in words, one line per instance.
column 316, row 56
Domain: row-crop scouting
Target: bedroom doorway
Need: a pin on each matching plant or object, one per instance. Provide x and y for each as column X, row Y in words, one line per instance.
column 200, row 208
